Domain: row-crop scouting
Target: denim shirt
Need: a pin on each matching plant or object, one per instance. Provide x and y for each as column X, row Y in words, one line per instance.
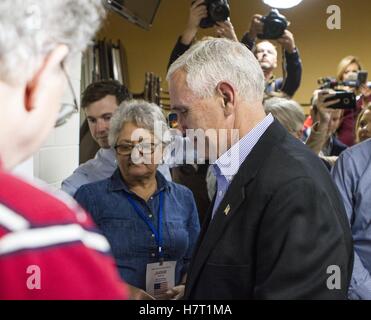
column 132, row 242
column 352, row 175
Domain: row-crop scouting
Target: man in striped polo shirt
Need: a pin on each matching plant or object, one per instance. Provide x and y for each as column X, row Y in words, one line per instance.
column 49, row 248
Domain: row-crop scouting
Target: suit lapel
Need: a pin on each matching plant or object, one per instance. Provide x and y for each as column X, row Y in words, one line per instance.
column 213, row 229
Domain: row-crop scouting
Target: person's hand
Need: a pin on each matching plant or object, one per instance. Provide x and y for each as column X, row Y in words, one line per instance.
column 225, row 29
column 139, row 294
column 321, row 116
column 256, row 26
column 197, row 12
column 320, row 104
column 287, row 41
column 174, row 293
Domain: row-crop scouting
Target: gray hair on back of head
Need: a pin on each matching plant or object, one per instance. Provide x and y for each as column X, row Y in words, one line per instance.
column 212, row 61
column 288, row 112
column 144, row 115
column 30, row 29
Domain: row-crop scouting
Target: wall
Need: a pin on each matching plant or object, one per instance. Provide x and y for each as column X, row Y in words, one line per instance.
column 321, row 49
column 59, row 155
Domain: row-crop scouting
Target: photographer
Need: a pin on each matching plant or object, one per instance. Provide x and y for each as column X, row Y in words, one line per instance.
column 197, row 12
column 266, row 53
column 347, row 70
column 321, row 136
column 193, row 176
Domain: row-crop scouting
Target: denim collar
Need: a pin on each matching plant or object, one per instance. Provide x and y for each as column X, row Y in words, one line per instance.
column 117, row 183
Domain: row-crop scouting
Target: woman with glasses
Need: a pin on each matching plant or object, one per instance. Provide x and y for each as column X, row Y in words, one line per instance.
column 151, row 223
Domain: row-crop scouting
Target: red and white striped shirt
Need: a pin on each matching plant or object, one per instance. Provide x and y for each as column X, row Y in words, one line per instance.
column 50, row 248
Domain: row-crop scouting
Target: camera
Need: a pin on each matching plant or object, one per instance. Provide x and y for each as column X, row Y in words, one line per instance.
column 356, row 82
column 347, row 100
column 274, row 27
column 217, row 10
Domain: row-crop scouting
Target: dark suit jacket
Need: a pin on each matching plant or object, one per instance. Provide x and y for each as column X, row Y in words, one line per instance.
column 285, row 227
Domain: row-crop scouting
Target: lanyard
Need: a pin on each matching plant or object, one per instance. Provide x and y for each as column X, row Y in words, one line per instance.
column 143, row 216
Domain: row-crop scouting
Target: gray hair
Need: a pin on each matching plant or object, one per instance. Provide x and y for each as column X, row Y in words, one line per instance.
column 144, row 115
column 288, row 112
column 209, row 62
column 30, row 29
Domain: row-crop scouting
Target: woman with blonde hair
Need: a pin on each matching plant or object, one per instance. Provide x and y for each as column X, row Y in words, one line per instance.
column 347, row 70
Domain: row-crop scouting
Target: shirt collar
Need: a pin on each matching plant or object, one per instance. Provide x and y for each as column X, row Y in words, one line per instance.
column 117, row 183
column 230, row 161
column 106, row 153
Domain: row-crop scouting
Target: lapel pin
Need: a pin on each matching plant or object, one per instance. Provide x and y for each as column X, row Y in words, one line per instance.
column 227, row 209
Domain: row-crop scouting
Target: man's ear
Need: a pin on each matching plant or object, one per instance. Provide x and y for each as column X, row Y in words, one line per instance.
column 227, row 92
column 51, row 65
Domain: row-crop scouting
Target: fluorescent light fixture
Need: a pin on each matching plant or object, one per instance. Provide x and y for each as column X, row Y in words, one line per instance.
column 282, row 4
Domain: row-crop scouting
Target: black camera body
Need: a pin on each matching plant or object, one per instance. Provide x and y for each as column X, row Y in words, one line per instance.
column 275, row 25
column 356, row 82
column 217, row 11
column 347, row 100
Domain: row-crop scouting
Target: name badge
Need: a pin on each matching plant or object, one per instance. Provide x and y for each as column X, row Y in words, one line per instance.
column 160, row 277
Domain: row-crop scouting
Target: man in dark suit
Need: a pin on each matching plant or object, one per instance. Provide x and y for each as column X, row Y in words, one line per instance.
column 277, row 228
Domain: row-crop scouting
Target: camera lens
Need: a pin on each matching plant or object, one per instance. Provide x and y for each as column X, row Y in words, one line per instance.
column 276, row 28
column 274, row 25
column 219, row 11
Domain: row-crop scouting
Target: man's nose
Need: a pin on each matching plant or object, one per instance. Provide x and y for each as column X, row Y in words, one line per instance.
column 101, row 125
column 182, row 127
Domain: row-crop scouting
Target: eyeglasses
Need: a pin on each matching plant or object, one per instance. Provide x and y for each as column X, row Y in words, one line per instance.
column 67, row 109
column 126, row 149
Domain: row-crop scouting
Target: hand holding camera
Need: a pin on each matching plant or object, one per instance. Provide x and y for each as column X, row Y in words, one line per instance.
column 321, row 112
column 346, row 99
column 287, row 41
column 334, row 99
column 274, row 25
column 324, row 99
column 256, row 26
column 225, row 29
column 217, row 11
column 197, row 12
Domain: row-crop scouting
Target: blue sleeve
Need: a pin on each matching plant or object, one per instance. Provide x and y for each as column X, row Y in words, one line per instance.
column 73, row 182
column 360, row 285
column 250, row 44
column 293, row 74
column 178, row 50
